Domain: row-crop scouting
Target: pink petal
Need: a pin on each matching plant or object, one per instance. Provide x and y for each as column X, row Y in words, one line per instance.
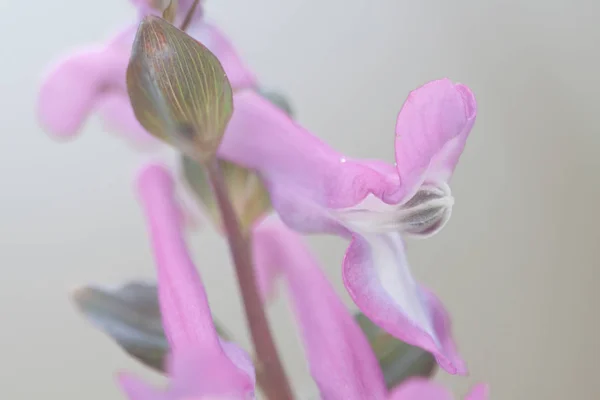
column 378, row 278
column 71, row 88
column 431, row 133
column 420, row 389
column 240, row 358
column 195, row 373
column 116, row 112
column 479, row 392
column 306, row 176
column 340, row 357
column 310, row 184
column 136, row 389
column 199, row 364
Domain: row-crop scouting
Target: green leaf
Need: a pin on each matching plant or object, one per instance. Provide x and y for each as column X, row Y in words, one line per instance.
column 247, row 192
column 277, row 99
column 178, row 89
column 398, row 360
column 130, row 315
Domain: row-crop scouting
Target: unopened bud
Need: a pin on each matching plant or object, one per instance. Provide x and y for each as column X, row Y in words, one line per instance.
column 178, row 89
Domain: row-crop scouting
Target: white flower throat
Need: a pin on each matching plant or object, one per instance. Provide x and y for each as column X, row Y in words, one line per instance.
column 422, row 215
column 382, row 226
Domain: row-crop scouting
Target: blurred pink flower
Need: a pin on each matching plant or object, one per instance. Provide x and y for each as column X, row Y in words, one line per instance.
column 202, row 367
column 314, row 188
column 200, row 364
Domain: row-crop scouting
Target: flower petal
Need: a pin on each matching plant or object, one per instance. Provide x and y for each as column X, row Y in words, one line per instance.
column 116, row 112
column 194, row 373
column 431, row 132
column 199, row 364
column 378, row 278
column 420, row 389
column 479, row 392
column 340, row 357
column 136, row 389
column 71, row 88
column 307, row 177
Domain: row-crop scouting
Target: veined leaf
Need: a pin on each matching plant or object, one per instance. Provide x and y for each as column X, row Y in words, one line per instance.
column 398, row 360
column 130, row 315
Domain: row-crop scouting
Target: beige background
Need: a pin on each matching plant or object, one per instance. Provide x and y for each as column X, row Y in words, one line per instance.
column 517, row 266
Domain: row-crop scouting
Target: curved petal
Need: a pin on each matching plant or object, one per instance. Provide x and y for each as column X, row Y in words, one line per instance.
column 71, row 88
column 314, row 188
column 199, row 365
column 136, row 389
column 194, row 373
column 378, row 278
column 306, row 176
column 479, row 392
column 116, row 112
column 420, row 389
column 340, row 357
column 431, row 132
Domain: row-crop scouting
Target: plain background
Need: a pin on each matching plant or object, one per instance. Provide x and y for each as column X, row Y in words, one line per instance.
column 517, row 266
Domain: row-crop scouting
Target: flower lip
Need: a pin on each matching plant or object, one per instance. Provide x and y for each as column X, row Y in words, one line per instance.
column 423, row 215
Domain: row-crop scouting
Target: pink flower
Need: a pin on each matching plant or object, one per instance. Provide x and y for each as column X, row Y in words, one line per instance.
column 314, row 188
column 340, row 358
column 201, row 364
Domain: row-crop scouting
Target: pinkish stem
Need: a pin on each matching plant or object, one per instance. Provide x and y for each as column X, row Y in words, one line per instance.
column 189, row 15
column 276, row 386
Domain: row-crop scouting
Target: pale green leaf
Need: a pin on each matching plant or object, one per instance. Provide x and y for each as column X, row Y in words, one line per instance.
column 398, row 360
column 277, row 99
column 130, row 315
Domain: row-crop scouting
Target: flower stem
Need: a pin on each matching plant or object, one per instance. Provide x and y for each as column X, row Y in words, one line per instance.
column 277, row 386
column 189, row 15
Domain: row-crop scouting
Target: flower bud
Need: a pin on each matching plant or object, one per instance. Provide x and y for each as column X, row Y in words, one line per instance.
column 178, row 89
